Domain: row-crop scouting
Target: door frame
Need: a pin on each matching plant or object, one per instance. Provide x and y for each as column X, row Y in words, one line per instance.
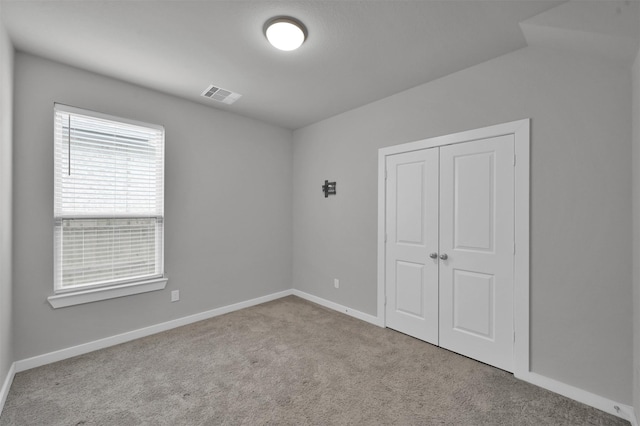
column 520, row 129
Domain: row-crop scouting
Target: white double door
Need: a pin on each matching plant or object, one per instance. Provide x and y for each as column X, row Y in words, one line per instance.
column 449, row 252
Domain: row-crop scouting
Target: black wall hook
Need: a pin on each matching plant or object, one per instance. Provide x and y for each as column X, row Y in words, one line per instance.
column 329, row 188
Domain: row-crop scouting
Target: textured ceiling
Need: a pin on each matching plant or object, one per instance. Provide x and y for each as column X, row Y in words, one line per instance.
column 356, row 51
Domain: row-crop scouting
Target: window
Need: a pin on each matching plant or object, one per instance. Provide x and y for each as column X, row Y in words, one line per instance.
column 108, row 202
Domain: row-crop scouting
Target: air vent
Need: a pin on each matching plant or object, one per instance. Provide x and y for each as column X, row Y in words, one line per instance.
column 221, row 95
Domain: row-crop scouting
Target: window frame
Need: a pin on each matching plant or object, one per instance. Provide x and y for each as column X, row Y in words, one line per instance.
column 91, row 292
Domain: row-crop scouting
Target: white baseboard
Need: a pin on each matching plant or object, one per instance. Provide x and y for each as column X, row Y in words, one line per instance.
column 84, row 348
column 336, row 307
column 601, row 403
column 4, row 392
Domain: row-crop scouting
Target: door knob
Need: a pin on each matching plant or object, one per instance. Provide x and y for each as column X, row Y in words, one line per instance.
column 444, row 256
column 433, row 255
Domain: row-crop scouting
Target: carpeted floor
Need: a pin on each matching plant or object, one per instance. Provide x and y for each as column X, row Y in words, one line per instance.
column 287, row 362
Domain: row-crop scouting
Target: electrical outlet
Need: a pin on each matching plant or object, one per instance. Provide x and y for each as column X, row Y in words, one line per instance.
column 175, row 295
column 336, row 283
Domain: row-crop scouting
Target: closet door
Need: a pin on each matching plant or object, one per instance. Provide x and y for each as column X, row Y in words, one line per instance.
column 477, row 249
column 412, row 237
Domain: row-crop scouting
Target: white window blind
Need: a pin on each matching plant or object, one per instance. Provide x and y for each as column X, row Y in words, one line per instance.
column 109, row 200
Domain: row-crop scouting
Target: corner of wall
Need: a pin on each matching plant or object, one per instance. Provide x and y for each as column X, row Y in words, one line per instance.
column 6, row 241
column 636, row 233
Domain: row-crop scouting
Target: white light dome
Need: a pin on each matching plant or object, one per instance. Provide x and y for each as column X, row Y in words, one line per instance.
column 285, row 33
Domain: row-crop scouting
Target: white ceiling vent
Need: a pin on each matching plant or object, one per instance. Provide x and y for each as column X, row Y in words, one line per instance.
column 221, row 95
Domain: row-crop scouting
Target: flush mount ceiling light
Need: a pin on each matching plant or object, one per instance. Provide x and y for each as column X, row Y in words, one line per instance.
column 285, row 32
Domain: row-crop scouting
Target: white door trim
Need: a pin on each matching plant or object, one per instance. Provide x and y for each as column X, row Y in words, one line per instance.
column 521, row 131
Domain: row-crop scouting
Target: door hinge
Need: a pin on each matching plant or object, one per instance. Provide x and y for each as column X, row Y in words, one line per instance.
column 385, row 174
column 514, row 248
column 514, row 160
column 385, row 300
column 385, row 237
column 514, row 337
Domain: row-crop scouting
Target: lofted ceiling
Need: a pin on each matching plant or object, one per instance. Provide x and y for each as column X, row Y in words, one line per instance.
column 356, row 52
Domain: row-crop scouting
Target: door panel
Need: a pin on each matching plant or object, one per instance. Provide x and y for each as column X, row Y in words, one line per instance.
column 412, row 234
column 409, row 286
column 473, row 308
column 477, row 235
column 410, row 203
column 473, row 201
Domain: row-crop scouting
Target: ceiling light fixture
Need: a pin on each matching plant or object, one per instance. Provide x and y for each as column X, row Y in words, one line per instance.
column 285, row 32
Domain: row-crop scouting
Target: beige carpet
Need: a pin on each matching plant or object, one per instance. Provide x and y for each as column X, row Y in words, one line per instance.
column 287, row 362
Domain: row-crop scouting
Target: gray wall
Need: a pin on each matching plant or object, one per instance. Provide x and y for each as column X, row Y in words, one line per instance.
column 227, row 207
column 6, row 121
column 636, row 233
column 581, row 308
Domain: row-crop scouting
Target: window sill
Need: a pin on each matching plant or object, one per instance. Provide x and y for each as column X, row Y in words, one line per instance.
column 96, row 294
